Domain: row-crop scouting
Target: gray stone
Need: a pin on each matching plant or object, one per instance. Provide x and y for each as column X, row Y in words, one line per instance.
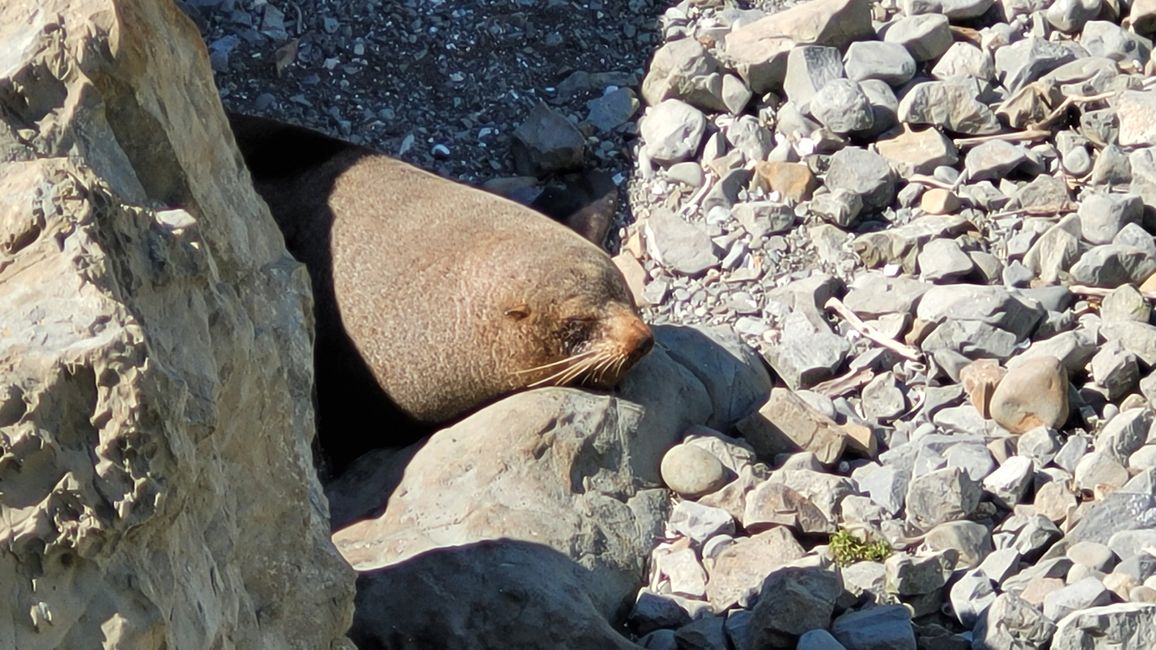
column 672, row 131
column 1111, row 265
column 1009, row 484
column 970, row 539
column 699, row 522
column 1137, row 114
column 964, row 59
column 887, row 626
column 1125, row 303
column 911, row 576
column 750, row 137
column 762, row 218
column 1115, row 512
column 941, row 496
column 1071, row 15
column 1123, row 625
column 738, row 628
column 1100, row 468
column 1082, row 594
column 1054, row 253
column 993, row 160
column 1125, row 433
column 887, row 486
column 809, row 68
column 680, row 246
column 841, row 106
column 1137, row 338
column 864, row 173
column 806, row 354
column 943, row 260
column 1001, row 564
column 973, row 593
column 872, row 295
column 1102, row 216
column 793, row 600
column 692, row 471
column 1040, row 444
column 706, row 633
column 951, row 105
column 819, row 640
column 953, row 9
column 1010, row 622
column 1107, row 39
column 1142, row 459
column 775, row 504
column 684, row 572
column 1076, row 161
column 612, row 110
column 1033, row 534
column 883, row 399
column 1073, row 349
column 684, row 69
column 759, row 50
column 841, row 207
column 926, row 37
column 1130, row 544
column 1112, row 167
column 864, row 578
column 887, row 62
column 547, row 142
column 1025, row 61
column 884, row 107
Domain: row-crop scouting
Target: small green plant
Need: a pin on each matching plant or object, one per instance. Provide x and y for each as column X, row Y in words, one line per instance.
column 849, row 549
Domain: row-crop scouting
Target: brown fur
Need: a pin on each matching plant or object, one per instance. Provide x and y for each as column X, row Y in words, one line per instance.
column 450, row 296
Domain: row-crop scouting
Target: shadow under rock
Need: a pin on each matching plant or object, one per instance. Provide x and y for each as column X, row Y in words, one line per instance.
column 490, row 594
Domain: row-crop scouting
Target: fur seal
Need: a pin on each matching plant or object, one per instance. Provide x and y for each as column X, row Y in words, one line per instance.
column 431, row 297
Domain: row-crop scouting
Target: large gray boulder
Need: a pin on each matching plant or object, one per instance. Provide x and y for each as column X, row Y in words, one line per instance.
column 155, row 371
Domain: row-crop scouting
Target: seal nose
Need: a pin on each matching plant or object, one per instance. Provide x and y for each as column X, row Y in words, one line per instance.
column 639, row 340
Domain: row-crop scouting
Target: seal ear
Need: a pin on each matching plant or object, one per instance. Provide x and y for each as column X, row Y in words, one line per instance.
column 518, row 311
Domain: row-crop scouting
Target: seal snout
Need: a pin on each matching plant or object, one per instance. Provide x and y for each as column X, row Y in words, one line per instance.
column 637, row 340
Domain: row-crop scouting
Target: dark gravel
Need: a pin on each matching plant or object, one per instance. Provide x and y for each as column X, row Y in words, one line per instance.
column 440, row 84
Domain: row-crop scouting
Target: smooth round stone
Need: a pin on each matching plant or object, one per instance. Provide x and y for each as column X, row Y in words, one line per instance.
column 692, row 471
column 1120, row 584
column 1033, row 393
column 1142, row 594
column 1092, row 555
column 687, row 173
column 1078, row 572
column 1142, row 459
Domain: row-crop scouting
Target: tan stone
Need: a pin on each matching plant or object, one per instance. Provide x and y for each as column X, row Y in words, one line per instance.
column 794, row 182
column 758, row 51
column 1032, row 394
column 786, row 424
column 979, row 379
column 1055, row 500
column 739, row 570
column 634, row 274
column 939, row 201
column 917, row 151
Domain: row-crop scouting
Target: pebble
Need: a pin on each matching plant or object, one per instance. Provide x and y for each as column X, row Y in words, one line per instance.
column 692, row 471
column 1032, row 394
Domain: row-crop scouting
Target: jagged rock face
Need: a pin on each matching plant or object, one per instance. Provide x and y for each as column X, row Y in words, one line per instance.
column 156, row 488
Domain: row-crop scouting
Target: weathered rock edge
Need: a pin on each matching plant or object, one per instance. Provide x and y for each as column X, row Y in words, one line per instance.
column 156, row 488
